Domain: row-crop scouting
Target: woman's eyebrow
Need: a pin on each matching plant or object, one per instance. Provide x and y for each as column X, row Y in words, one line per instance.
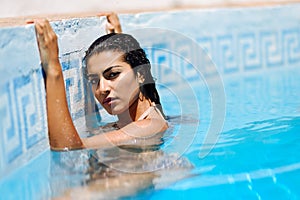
column 105, row 71
column 109, row 68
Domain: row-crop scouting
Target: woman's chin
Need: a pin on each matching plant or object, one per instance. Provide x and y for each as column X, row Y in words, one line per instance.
column 114, row 111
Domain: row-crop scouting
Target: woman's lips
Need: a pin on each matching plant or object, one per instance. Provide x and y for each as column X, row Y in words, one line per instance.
column 108, row 100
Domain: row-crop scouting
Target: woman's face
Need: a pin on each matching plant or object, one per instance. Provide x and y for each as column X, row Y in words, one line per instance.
column 114, row 83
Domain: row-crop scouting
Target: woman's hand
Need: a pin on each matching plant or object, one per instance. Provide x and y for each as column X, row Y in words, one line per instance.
column 113, row 24
column 48, row 46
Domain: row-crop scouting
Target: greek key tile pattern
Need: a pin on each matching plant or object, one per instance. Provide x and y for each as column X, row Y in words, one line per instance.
column 246, row 51
column 229, row 53
column 22, row 99
column 23, row 119
column 71, row 65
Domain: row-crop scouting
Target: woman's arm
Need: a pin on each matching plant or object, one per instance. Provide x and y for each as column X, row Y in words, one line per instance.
column 143, row 129
column 61, row 130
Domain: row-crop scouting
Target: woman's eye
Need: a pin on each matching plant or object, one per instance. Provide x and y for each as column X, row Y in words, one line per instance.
column 94, row 81
column 113, row 75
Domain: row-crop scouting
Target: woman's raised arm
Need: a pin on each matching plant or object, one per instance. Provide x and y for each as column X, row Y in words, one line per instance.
column 62, row 132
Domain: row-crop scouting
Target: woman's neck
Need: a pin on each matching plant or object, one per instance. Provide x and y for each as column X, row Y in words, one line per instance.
column 137, row 108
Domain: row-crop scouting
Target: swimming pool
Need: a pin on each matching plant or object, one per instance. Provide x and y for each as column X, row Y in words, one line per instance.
column 250, row 91
column 256, row 156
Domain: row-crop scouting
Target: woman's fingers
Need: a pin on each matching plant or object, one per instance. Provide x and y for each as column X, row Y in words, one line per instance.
column 47, row 43
column 44, row 31
column 39, row 35
column 110, row 28
column 51, row 36
column 113, row 19
column 113, row 24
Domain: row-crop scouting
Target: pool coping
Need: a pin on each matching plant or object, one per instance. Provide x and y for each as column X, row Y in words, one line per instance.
column 17, row 21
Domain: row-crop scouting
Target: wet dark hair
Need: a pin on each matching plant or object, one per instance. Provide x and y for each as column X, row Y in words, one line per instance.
column 134, row 55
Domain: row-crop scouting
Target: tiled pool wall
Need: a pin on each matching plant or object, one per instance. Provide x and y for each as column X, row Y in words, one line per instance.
column 239, row 41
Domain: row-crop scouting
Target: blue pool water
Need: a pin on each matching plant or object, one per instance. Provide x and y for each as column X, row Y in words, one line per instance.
column 256, row 155
column 233, row 136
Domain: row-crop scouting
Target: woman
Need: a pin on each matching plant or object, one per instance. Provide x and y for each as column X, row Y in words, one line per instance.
column 119, row 73
column 120, row 78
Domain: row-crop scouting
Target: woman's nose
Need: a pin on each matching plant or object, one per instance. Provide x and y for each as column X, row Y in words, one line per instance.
column 103, row 86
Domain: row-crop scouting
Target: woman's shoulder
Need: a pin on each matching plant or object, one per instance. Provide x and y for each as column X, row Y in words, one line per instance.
column 154, row 111
column 111, row 126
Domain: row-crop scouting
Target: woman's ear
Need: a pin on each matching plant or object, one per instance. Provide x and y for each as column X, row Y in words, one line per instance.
column 140, row 78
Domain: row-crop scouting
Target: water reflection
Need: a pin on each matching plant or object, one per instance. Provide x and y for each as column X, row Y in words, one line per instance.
column 258, row 146
column 118, row 172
